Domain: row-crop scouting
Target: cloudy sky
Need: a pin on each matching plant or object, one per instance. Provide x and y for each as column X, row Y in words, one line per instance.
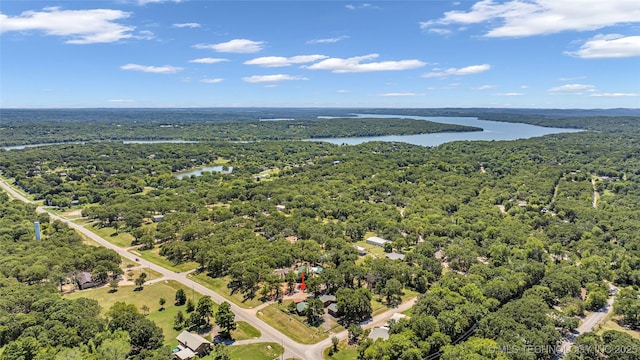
column 182, row 53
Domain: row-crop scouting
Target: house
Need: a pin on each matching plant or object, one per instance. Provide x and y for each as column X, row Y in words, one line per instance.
column 85, row 281
column 361, row 251
column 379, row 333
column 394, row 256
column 190, row 345
column 396, row 317
column 301, row 307
column 327, row 300
column 377, row 241
column 333, row 310
column 157, row 218
column 280, row 207
column 282, row 272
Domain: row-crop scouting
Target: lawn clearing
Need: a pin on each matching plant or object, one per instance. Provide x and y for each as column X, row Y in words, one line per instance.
column 611, row 324
column 149, row 296
column 245, row 331
column 257, row 351
column 154, row 256
column 219, row 285
column 291, row 325
column 345, row 352
column 121, row 239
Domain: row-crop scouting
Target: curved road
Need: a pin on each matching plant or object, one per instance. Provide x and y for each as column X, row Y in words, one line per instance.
column 292, row 349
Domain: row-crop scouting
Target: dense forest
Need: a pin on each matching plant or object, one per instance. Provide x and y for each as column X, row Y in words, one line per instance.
column 163, row 126
column 35, row 321
column 530, row 233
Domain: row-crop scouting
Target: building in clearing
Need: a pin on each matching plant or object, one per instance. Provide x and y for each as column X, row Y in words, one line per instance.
column 327, row 300
column 85, row 280
column 379, row 333
column 157, row 218
column 394, row 256
column 333, row 310
column 377, row 241
column 301, row 308
column 361, row 251
column 190, row 345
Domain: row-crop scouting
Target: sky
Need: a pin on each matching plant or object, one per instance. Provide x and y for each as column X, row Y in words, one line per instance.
column 188, row 53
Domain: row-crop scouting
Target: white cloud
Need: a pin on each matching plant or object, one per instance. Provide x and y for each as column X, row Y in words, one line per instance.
column 608, row 46
column 439, row 31
column 484, row 87
column 208, row 60
column 467, row 70
column 187, row 25
column 614, row 94
column 328, row 40
column 509, row 94
column 144, row 35
column 212, row 81
column 517, row 18
column 241, row 46
column 279, row 61
column 354, row 64
column 80, row 26
column 166, row 69
column 573, row 88
column 343, row 91
column 120, row 101
column 571, row 78
column 361, row 6
column 400, row 94
column 145, row 2
column 272, row 78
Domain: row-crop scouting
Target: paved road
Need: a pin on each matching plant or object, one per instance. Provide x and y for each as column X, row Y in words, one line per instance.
column 292, row 349
column 587, row 325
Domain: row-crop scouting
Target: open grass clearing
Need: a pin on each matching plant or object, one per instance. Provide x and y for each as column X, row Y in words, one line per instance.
column 154, row 256
column 345, row 352
column 245, row 331
column 612, row 324
column 132, row 274
column 149, row 296
column 257, row 351
column 291, row 325
column 219, row 285
column 121, row 239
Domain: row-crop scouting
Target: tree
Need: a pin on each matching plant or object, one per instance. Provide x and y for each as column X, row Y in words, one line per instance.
column 628, row 306
column 113, row 284
column 181, row 297
column 392, row 291
column 145, row 310
column 221, row 352
column 355, row 332
column 205, row 308
column 334, row 343
column 178, row 320
column 354, row 304
column 140, row 280
column 116, row 347
column 190, row 306
column 315, row 310
column 162, row 301
column 291, row 278
column 226, row 319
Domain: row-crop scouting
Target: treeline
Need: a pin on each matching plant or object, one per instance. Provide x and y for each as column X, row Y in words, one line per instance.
column 513, row 223
column 141, row 126
column 36, row 322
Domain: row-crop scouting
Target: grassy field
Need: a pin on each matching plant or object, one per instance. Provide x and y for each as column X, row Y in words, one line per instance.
column 291, row 325
column 611, row 324
column 154, row 256
column 133, row 274
column 219, row 285
column 245, row 331
column 257, row 351
column 148, row 296
column 345, row 352
column 121, row 239
column 378, row 307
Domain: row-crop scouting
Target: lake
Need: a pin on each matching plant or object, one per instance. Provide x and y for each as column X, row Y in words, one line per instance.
column 493, row 130
column 198, row 172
